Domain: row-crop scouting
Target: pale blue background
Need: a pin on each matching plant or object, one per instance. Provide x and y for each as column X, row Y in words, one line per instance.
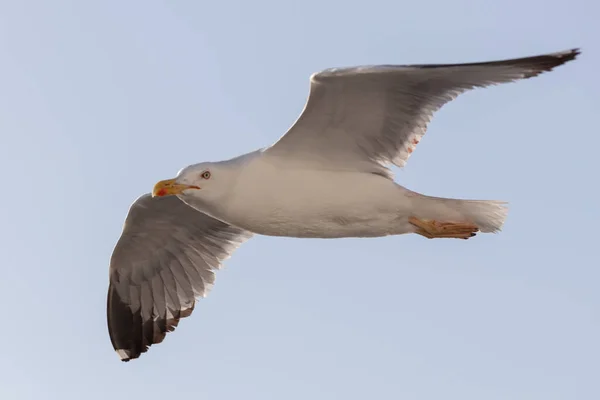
column 100, row 99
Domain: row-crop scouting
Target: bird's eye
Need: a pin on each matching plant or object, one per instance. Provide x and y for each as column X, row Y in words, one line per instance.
column 206, row 175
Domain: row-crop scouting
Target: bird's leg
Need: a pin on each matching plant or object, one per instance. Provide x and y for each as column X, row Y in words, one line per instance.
column 434, row 229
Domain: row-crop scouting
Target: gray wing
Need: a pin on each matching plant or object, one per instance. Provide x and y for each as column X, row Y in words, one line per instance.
column 365, row 118
column 164, row 260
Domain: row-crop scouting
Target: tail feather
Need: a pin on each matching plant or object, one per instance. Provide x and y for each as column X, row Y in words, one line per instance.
column 488, row 215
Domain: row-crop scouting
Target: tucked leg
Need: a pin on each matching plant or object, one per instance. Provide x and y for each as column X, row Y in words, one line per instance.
column 436, row 229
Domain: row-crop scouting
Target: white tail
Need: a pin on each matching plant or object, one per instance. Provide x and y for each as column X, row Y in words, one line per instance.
column 488, row 215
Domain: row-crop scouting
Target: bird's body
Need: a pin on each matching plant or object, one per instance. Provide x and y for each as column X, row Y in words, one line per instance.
column 327, row 177
column 268, row 197
column 325, row 204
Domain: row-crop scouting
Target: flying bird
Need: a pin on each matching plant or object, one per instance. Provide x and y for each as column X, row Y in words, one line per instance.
column 327, row 177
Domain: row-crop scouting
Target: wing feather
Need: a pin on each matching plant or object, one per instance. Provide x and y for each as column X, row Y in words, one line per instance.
column 164, row 260
column 366, row 118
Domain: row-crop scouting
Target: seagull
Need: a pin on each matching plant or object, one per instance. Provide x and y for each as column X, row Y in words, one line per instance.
column 328, row 177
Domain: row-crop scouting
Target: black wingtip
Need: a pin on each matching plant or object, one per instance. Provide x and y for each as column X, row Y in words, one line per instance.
column 534, row 65
column 124, row 334
column 548, row 62
column 130, row 335
column 562, row 57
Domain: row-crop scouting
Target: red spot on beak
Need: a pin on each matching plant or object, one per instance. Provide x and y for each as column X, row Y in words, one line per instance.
column 161, row 192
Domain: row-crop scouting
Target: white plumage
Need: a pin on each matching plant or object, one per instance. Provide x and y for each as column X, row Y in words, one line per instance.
column 265, row 194
column 327, row 177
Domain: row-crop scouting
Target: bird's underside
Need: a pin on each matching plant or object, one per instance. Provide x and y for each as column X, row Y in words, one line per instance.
column 362, row 119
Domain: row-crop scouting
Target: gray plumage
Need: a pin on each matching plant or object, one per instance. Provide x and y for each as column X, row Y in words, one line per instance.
column 356, row 119
column 365, row 118
column 164, row 260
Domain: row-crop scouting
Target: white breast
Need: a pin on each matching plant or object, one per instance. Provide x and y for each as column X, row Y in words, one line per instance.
column 270, row 200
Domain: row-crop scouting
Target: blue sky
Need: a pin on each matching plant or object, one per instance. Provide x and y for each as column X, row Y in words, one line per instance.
column 100, row 100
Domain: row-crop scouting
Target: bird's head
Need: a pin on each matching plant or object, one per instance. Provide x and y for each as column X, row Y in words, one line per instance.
column 199, row 180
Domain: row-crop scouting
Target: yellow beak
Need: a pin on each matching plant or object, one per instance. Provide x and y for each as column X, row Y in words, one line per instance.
column 169, row 187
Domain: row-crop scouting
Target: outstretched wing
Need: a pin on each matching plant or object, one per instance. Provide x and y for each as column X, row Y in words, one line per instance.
column 164, row 260
column 368, row 117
